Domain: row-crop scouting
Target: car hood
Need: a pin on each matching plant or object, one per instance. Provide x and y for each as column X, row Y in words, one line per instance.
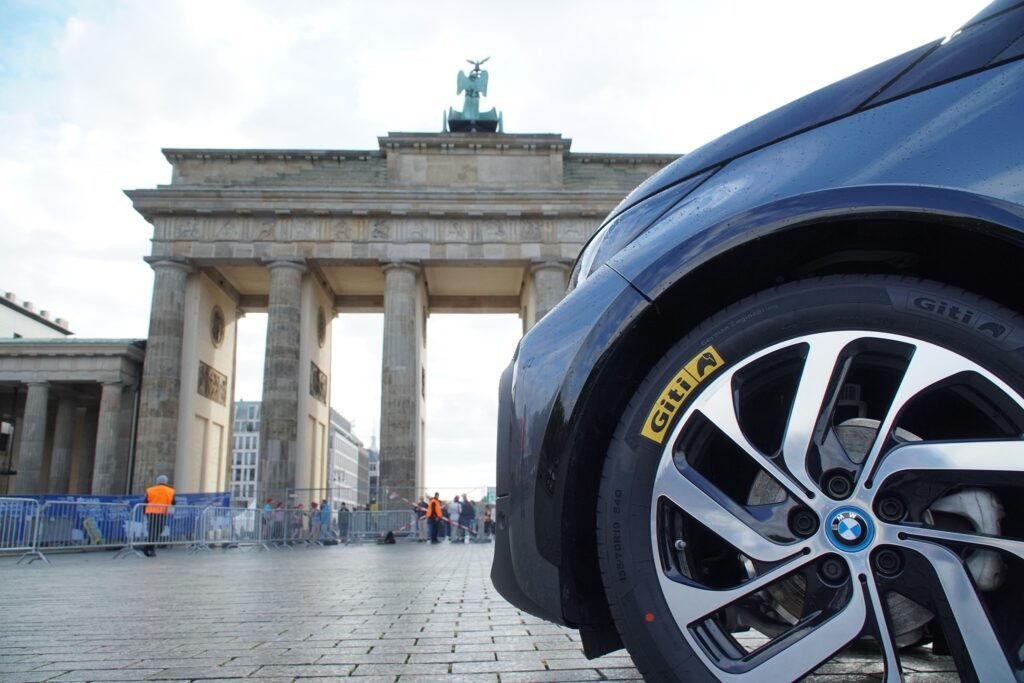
column 988, row 37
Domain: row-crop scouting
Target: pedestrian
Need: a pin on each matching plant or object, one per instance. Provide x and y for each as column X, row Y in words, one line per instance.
column 277, row 530
column 468, row 519
column 454, row 511
column 268, row 512
column 421, row 519
column 325, row 520
column 159, row 499
column 298, row 526
column 434, row 517
column 488, row 522
column 314, row 521
column 343, row 517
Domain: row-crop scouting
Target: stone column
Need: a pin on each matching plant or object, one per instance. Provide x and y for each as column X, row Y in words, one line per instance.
column 548, row 286
column 400, row 384
column 157, row 441
column 33, row 440
column 63, row 440
column 104, row 471
column 279, row 412
column 87, row 459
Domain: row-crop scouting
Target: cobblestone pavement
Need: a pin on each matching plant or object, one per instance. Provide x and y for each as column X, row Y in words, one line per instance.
column 400, row 613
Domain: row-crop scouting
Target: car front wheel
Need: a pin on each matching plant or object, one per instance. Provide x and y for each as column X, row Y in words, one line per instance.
column 831, row 464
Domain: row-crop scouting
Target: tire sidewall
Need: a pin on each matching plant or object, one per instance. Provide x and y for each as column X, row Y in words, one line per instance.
column 964, row 323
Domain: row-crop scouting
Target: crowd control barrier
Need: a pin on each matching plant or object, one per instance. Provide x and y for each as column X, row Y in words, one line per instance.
column 65, row 525
column 365, row 526
column 230, row 528
column 18, row 520
column 164, row 525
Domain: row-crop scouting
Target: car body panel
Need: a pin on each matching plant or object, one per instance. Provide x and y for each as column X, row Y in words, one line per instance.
column 938, row 154
column 973, row 48
column 829, row 103
column 528, row 487
column 918, row 142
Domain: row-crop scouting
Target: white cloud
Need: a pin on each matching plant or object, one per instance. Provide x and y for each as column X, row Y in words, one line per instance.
column 86, row 107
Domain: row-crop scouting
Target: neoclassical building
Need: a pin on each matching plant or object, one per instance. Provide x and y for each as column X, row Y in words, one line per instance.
column 67, row 405
column 425, row 222
column 450, row 222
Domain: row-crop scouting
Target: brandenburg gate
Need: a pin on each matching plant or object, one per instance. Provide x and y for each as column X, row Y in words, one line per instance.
column 474, row 220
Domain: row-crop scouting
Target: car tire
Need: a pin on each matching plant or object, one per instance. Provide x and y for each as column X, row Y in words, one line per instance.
column 726, row 505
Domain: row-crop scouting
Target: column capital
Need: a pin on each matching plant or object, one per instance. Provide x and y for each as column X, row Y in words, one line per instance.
column 37, row 383
column 413, row 266
column 296, row 262
column 550, row 264
column 176, row 262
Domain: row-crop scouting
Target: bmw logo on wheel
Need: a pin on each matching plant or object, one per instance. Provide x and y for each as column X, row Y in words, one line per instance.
column 850, row 529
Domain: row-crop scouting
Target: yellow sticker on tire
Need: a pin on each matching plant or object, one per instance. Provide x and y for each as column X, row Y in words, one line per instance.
column 675, row 393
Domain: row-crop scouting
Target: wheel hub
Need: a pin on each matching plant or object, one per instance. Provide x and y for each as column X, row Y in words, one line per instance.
column 850, row 529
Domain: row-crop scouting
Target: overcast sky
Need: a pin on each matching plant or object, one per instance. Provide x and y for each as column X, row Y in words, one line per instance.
column 91, row 91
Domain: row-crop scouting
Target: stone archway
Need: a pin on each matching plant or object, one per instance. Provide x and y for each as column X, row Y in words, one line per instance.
column 452, row 222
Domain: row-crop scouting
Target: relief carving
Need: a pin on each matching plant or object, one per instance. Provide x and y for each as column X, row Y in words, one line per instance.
column 317, row 383
column 212, row 384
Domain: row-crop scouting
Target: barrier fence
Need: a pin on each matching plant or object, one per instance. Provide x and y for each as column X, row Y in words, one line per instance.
column 34, row 528
column 18, row 519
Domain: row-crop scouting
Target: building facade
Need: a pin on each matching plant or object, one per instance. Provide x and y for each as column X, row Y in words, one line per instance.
column 245, row 453
column 344, row 456
column 67, row 406
column 21, row 320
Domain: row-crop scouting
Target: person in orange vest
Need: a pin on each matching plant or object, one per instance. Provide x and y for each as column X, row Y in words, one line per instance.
column 434, row 516
column 159, row 499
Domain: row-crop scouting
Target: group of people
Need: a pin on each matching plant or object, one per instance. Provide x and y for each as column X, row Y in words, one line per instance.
column 299, row 524
column 456, row 520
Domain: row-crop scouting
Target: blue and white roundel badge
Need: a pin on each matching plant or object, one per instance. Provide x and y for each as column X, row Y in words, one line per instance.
column 850, row 529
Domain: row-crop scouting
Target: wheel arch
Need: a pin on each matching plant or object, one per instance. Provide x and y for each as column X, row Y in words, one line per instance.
column 956, row 238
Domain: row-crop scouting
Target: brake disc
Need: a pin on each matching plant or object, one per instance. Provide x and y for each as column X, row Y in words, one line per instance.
column 786, row 597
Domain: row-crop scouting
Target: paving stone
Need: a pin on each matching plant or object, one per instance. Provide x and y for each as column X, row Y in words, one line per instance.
column 551, row 676
column 308, row 614
column 106, row 675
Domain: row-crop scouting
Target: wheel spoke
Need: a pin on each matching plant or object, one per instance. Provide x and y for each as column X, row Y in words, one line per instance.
column 805, row 413
column 929, row 365
column 980, row 640
column 692, row 498
column 690, row 602
column 718, row 407
column 893, row 673
column 807, row 653
column 962, row 456
column 990, row 542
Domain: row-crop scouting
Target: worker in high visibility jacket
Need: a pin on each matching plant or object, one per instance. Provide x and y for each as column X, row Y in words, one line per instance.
column 435, row 516
column 159, row 499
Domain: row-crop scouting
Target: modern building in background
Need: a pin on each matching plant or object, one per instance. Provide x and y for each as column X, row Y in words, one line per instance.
column 245, row 453
column 343, row 462
column 373, row 477
column 345, row 453
column 21, row 320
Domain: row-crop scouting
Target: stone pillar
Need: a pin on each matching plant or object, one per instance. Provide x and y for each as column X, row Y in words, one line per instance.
column 104, row 472
column 63, row 440
column 548, row 286
column 33, row 440
column 157, row 441
column 87, row 459
column 279, row 412
column 401, row 390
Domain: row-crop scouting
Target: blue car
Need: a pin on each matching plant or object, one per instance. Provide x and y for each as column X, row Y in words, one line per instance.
column 780, row 412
